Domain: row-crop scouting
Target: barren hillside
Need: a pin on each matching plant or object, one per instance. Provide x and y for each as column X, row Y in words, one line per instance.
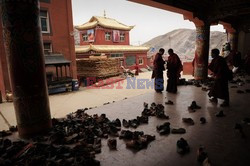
column 183, row 42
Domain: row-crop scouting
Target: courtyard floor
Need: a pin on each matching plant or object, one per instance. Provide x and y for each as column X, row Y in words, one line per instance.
column 224, row 144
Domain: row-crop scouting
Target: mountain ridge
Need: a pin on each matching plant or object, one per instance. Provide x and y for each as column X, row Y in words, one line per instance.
column 182, row 41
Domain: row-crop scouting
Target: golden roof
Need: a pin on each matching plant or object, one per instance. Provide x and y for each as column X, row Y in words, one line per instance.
column 109, row 48
column 104, row 22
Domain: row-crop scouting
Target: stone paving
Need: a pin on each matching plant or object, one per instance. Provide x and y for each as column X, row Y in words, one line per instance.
column 224, row 144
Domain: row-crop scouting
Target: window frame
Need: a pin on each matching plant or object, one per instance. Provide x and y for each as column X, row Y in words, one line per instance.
column 142, row 61
column 116, row 55
column 47, row 51
column 107, row 36
column 47, row 21
column 122, row 37
column 85, row 37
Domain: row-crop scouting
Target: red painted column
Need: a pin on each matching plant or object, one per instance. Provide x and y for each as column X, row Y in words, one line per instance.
column 23, row 45
column 232, row 37
column 201, row 51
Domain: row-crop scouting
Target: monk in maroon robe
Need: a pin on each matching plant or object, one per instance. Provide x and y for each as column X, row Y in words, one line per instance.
column 221, row 73
column 174, row 67
column 158, row 71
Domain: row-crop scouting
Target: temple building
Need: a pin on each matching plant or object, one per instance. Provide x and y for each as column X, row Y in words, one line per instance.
column 58, row 46
column 105, row 36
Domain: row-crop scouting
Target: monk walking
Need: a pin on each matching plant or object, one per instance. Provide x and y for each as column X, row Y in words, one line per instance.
column 220, row 71
column 174, row 67
column 158, row 71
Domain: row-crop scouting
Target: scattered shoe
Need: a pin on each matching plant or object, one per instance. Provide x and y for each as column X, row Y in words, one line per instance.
column 240, row 91
column 204, row 89
column 106, row 103
column 194, row 106
column 159, row 112
column 203, row 120
column 126, row 134
column 201, row 155
column 240, row 129
column 145, row 105
column 13, row 128
column 134, row 123
column 178, row 131
column 225, row 104
column 5, row 133
column 246, row 120
column 164, row 128
column 182, row 146
column 142, row 119
column 213, row 100
column 189, row 121
column 247, row 90
column 220, row 114
column 125, row 123
column 112, row 143
column 169, row 102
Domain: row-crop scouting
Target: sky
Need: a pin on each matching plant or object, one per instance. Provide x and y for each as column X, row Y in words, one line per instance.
column 149, row 22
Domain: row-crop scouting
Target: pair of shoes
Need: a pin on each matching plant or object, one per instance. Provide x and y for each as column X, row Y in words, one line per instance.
column 213, row 100
column 225, row 104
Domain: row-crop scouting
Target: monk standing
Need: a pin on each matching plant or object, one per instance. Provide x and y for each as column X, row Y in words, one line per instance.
column 174, row 67
column 158, row 71
column 220, row 71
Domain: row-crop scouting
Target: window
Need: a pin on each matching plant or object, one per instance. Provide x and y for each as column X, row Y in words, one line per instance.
column 44, row 20
column 141, row 61
column 85, row 37
column 117, row 55
column 130, row 60
column 47, row 48
column 122, row 37
column 107, row 36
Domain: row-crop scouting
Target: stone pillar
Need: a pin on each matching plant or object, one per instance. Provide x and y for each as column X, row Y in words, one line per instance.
column 23, row 45
column 201, row 51
column 233, row 40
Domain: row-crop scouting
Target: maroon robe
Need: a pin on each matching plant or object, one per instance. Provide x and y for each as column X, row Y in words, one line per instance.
column 158, row 72
column 221, row 71
column 174, row 67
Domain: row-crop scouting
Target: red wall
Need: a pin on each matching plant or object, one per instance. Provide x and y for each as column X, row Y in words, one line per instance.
column 100, row 37
column 61, row 27
column 138, row 56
